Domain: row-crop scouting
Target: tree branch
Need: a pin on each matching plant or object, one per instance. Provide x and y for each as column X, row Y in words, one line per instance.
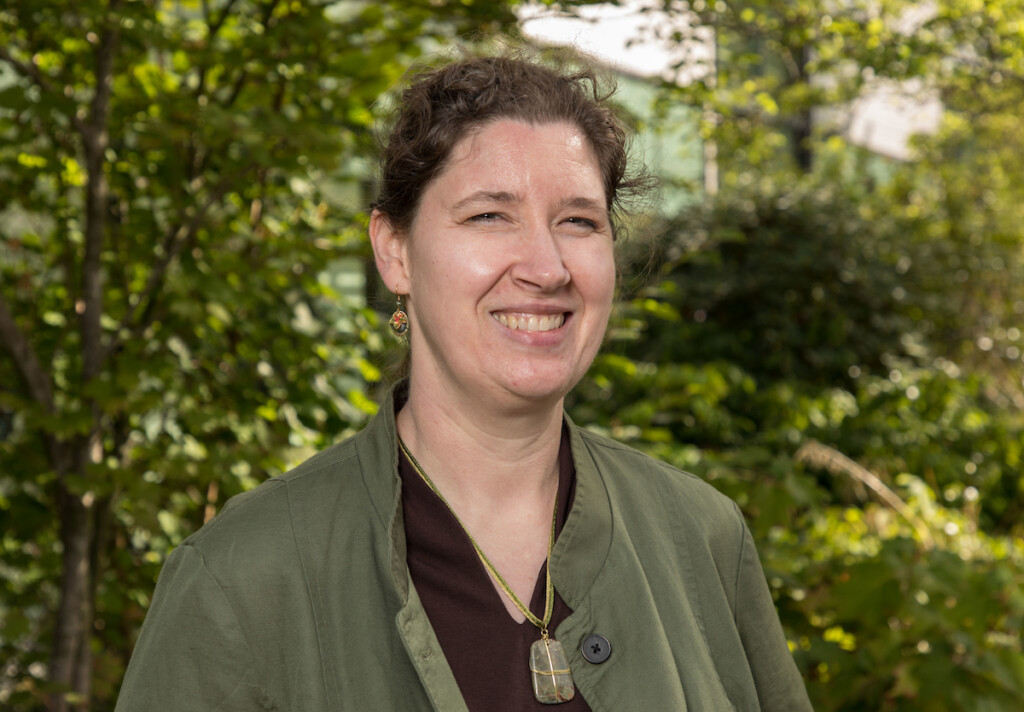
column 215, row 26
column 32, row 73
column 25, row 359
column 138, row 319
column 820, row 455
column 213, row 29
column 236, row 90
column 96, row 139
column 26, row 70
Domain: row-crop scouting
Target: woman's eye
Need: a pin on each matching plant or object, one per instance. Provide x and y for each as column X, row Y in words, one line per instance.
column 582, row 223
column 485, row 217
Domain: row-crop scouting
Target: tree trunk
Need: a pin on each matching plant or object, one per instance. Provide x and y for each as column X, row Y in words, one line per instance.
column 71, row 662
column 803, row 121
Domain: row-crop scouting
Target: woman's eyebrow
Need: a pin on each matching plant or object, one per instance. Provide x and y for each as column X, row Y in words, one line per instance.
column 583, row 203
column 487, row 196
column 503, row 197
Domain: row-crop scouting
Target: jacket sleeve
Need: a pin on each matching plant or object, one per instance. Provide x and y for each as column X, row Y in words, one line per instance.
column 776, row 678
column 191, row 655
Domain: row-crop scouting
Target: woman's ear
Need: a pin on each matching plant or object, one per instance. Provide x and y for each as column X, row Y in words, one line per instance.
column 390, row 253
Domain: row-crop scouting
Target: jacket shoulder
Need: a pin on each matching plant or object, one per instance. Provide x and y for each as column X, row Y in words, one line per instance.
column 633, row 472
column 264, row 516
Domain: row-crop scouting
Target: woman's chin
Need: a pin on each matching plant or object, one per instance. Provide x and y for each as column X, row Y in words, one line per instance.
column 541, row 385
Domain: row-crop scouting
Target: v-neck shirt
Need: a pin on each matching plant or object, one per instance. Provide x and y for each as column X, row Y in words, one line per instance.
column 487, row 651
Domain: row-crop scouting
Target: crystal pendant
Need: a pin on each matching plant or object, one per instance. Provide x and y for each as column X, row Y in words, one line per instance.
column 552, row 679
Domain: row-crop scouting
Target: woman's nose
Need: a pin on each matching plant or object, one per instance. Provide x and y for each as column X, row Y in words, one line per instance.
column 539, row 263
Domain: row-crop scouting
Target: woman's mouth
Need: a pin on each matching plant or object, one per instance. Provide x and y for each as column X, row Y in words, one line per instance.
column 530, row 322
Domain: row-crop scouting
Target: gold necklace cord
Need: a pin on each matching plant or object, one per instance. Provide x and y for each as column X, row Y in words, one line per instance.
column 549, row 588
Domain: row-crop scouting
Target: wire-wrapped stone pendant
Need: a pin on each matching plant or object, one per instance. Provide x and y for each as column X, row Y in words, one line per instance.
column 552, row 679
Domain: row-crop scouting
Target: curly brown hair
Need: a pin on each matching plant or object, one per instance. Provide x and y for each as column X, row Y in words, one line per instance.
column 443, row 105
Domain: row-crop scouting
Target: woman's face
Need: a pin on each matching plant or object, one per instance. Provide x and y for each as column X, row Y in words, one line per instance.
column 509, row 265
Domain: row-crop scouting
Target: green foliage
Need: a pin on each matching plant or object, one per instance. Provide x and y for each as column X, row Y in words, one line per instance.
column 883, row 607
column 881, row 622
column 811, row 310
column 204, row 164
column 827, row 295
column 181, row 286
column 834, row 341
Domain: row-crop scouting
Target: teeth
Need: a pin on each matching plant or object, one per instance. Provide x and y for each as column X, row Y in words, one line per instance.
column 531, row 322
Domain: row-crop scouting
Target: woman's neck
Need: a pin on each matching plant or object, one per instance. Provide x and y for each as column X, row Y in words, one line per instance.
column 480, row 456
column 497, row 469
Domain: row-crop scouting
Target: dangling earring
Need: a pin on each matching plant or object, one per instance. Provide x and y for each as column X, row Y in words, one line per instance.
column 399, row 321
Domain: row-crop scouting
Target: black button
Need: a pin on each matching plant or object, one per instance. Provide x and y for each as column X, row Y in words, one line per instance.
column 596, row 648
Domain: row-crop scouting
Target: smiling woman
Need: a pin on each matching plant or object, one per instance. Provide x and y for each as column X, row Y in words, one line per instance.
column 508, row 272
column 473, row 549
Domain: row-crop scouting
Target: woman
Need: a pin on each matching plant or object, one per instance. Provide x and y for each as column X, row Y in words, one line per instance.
column 472, row 548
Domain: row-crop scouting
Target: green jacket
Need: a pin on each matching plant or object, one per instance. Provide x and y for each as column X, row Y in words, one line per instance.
column 297, row 596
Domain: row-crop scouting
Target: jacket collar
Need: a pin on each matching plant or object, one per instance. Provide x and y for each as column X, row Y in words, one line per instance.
column 582, row 545
column 585, row 539
column 377, row 445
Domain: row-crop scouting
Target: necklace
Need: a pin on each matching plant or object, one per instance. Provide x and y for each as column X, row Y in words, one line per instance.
column 552, row 678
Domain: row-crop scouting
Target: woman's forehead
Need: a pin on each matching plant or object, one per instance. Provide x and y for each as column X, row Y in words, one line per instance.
column 507, row 152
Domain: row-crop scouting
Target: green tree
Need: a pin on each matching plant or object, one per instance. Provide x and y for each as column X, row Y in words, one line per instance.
column 787, row 357
column 182, row 184
column 818, row 259
column 833, row 339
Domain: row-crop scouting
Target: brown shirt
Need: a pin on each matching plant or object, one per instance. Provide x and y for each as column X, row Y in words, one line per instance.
column 488, row 652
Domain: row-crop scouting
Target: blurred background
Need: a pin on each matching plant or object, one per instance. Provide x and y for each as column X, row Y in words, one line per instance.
column 821, row 314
